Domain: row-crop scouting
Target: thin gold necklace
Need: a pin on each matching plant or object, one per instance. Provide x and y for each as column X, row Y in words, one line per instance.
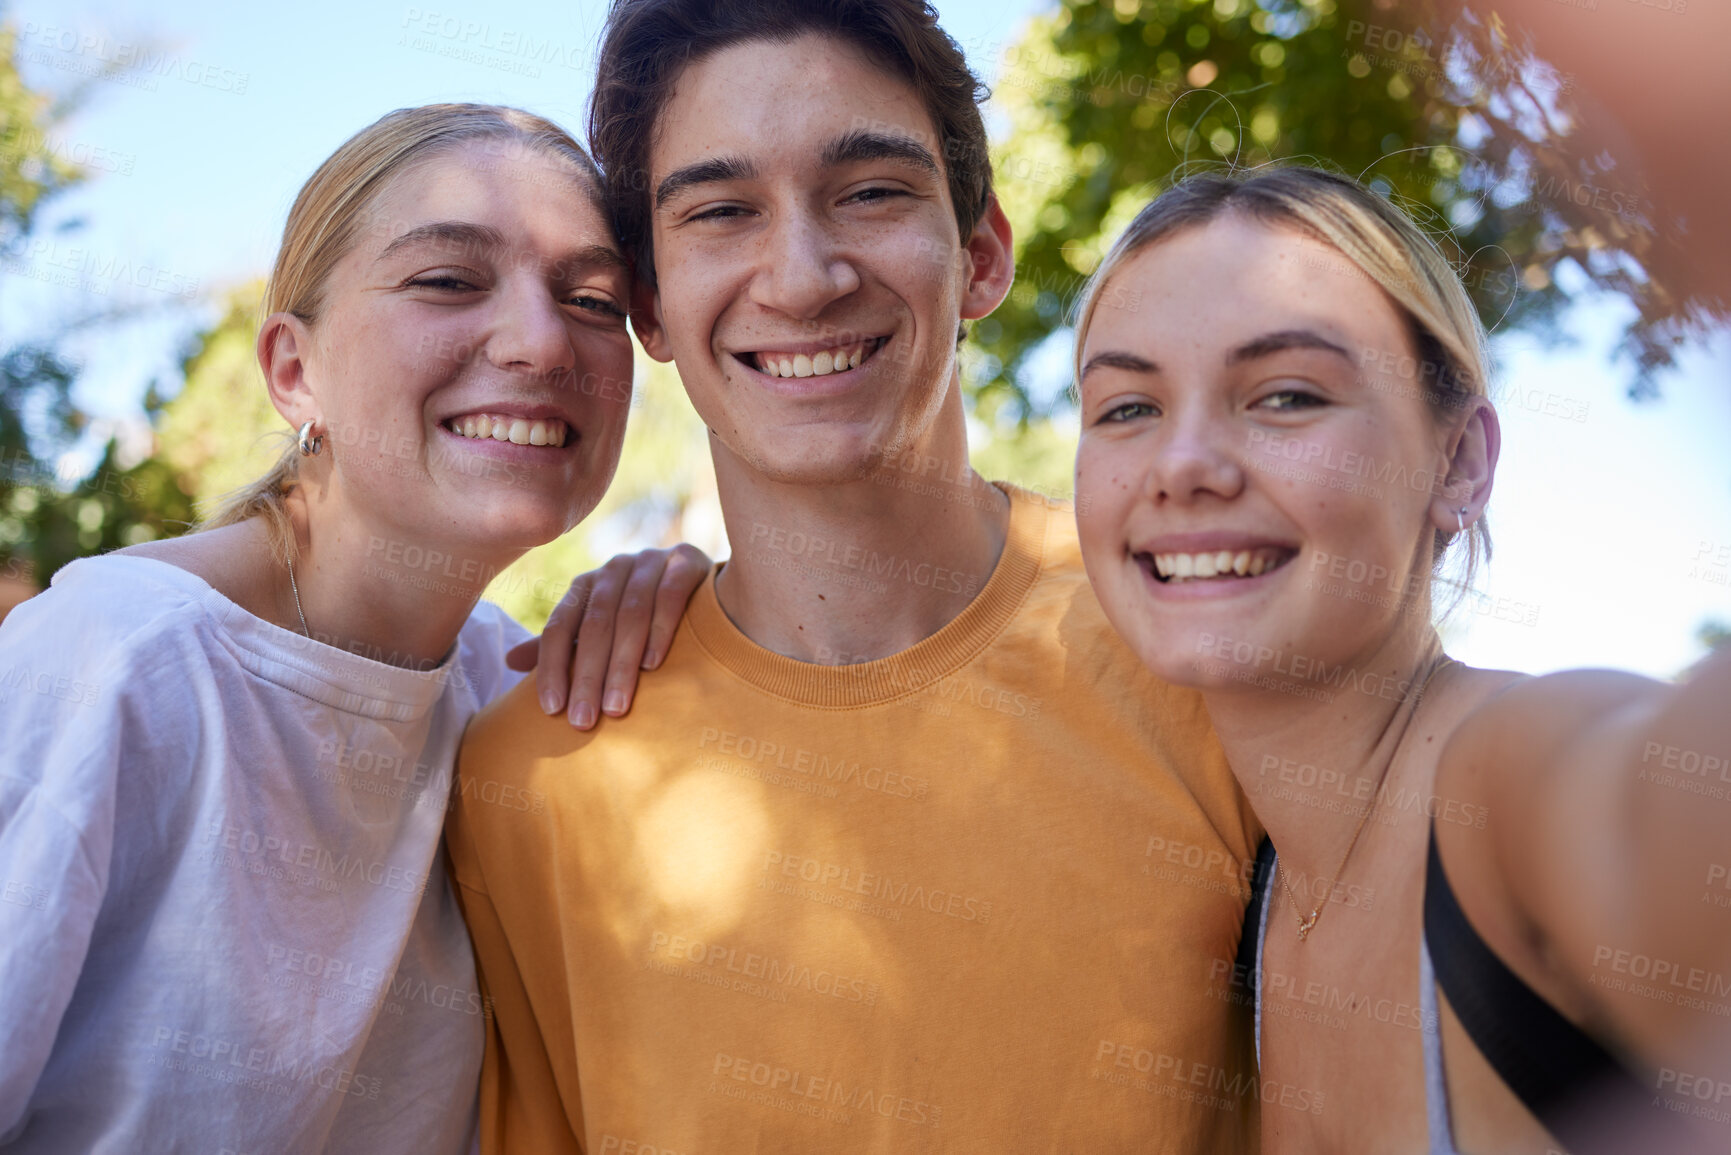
column 1306, row 923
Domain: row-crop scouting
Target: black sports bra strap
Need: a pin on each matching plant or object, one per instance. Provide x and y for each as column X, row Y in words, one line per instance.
column 1550, row 1064
column 1261, row 871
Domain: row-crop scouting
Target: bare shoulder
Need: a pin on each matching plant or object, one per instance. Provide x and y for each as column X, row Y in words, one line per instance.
column 1528, row 726
column 1594, row 815
column 1532, row 751
column 1545, row 758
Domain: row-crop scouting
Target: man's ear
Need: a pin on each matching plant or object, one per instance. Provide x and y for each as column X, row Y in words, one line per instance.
column 1472, row 451
column 991, row 256
column 646, row 320
column 284, row 340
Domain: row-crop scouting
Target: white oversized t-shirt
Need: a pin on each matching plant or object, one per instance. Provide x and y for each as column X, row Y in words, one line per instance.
column 225, row 923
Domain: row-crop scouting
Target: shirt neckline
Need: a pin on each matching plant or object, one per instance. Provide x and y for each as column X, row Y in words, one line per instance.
column 886, row 679
column 334, row 677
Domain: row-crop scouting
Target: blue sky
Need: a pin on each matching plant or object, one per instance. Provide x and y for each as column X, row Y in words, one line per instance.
column 1612, row 519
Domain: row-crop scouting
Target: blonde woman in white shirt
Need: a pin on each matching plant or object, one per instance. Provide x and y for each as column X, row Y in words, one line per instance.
column 227, row 757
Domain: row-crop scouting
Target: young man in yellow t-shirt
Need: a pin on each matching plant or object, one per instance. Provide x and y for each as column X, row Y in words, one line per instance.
column 901, row 849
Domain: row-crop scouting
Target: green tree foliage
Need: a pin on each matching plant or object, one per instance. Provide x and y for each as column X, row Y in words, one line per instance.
column 113, row 506
column 35, row 382
column 1039, row 455
column 30, row 173
column 1110, row 101
column 47, row 519
column 220, row 431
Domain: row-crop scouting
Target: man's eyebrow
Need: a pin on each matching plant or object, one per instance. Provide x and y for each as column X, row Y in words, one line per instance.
column 1129, row 362
column 703, row 172
column 1270, row 343
column 860, row 145
column 596, row 256
column 451, row 234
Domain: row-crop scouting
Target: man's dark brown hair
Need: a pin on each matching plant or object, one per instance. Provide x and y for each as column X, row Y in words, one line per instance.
column 648, row 43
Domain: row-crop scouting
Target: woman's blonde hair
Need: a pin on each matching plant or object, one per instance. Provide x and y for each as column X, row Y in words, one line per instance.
column 325, row 223
column 1372, row 235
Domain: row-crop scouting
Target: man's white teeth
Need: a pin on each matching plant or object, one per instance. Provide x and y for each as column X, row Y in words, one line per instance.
column 1220, row 563
column 516, row 430
column 799, row 365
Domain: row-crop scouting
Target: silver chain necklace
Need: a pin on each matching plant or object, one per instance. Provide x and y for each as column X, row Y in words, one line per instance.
column 297, row 593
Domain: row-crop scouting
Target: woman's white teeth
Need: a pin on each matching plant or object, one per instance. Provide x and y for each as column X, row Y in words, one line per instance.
column 800, row 365
column 1220, row 563
column 516, row 430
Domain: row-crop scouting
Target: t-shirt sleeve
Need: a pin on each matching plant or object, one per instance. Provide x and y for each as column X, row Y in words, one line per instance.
column 521, row 1108
column 488, row 635
column 62, row 723
column 520, row 1103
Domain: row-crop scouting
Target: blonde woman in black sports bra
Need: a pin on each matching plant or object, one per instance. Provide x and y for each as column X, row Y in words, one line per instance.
column 1284, row 432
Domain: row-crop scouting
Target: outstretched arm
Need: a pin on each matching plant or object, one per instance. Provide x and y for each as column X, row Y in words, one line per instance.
column 1609, row 847
column 610, row 624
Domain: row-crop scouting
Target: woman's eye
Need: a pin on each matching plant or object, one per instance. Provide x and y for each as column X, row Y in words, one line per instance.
column 1129, row 411
column 445, row 282
column 1290, row 400
column 598, row 305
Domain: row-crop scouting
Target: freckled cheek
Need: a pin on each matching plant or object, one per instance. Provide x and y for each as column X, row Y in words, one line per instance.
column 424, row 353
column 374, row 396
column 1105, row 501
column 1086, row 477
column 701, row 284
column 921, row 264
column 1101, row 470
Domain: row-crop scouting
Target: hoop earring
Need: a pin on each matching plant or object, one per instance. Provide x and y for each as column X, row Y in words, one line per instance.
column 1459, row 514
column 311, row 445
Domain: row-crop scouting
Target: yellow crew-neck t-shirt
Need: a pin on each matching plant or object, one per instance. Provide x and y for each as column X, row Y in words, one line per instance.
column 974, row 897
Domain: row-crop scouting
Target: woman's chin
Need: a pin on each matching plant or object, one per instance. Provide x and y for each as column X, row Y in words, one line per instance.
column 1206, row 656
column 1170, row 655
column 484, row 537
column 524, row 513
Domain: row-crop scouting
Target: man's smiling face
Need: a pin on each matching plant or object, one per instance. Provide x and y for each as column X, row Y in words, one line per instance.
column 809, row 275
